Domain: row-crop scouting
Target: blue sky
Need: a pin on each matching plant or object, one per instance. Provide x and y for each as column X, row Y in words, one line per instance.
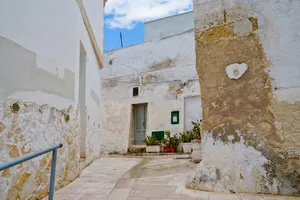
column 128, row 17
column 130, row 36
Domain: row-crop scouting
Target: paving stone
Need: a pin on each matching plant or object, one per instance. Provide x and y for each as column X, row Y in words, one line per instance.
column 176, row 196
column 162, row 178
column 119, row 194
column 278, row 198
column 98, row 191
column 250, row 197
column 143, row 193
column 137, row 198
column 165, row 188
column 223, row 197
column 151, row 182
column 70, row 190
column 92, row 197
column 66, row 197
column 125, row 183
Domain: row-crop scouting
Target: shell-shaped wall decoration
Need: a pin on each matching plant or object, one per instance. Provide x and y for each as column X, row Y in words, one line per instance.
column 236, row 71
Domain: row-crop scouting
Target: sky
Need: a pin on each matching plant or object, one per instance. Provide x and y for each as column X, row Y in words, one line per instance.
column 128, row 17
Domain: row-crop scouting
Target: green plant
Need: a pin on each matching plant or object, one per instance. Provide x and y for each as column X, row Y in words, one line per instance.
column 197, row 129
column 186, row 136
column 170, row 141
column 151, row 141
column 183, row 137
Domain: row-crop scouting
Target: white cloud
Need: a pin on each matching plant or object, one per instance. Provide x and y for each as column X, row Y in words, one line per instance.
column 126, row 13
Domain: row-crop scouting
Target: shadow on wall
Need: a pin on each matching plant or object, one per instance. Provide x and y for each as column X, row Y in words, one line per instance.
column 24, row 75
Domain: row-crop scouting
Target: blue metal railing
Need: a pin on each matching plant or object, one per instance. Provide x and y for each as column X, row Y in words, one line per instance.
column 33, row 155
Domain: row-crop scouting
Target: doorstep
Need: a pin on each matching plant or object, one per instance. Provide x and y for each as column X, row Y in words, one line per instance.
column 137, row 149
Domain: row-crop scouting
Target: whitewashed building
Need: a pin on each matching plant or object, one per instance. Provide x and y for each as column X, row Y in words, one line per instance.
column 150, row 87
column 50, row 62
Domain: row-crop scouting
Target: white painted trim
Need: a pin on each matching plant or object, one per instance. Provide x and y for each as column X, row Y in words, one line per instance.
column 92, row 37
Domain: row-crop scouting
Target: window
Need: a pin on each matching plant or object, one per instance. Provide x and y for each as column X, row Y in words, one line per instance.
column 135, row 91
column 175, row 117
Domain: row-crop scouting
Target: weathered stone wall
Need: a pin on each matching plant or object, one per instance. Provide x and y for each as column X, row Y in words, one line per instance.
column 29, row 130
column 251, row 135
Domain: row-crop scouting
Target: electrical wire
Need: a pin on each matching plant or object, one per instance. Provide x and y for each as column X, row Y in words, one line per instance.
column 152, row 82
column 182, row 40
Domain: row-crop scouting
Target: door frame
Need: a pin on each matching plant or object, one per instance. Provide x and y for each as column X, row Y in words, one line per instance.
column 182, row 114
column 82, row 98
column 131, row 128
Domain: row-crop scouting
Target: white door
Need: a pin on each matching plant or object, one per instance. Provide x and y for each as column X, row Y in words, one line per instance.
column 192, row 111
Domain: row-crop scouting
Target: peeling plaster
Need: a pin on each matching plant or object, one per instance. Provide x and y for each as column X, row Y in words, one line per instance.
column 271, row 124
column 240, row 160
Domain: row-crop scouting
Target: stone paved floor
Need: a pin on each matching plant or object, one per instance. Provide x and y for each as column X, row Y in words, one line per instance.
column 156, row 178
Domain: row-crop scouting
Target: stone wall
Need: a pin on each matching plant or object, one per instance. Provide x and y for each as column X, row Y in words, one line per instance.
column 251, row 135
column 31, row 129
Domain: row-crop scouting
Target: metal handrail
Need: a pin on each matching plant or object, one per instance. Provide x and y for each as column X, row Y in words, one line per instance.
column 34, row 155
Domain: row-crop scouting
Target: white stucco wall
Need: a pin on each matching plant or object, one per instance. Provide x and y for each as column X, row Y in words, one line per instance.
column 169, row 26
column 40, row 66
column 159, row 68
column 95, row 12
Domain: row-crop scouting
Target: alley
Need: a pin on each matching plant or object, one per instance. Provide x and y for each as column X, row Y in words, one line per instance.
column 142, row 178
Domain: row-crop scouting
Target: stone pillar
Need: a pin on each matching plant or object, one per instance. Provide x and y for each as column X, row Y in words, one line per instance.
column 248, row 63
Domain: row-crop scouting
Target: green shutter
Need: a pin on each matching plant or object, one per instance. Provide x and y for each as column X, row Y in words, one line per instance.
column 158, row 134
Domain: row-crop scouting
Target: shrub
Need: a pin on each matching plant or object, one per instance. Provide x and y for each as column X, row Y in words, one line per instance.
column 186, row 136
column 170, row 141
column 197, row 129
column 151, row 141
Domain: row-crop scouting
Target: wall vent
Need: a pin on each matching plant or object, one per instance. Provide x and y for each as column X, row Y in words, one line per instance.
column 15, row 107
column 67, row 117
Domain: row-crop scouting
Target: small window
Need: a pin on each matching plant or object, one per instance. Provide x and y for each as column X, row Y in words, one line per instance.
column 175, row 117
column 135, row 91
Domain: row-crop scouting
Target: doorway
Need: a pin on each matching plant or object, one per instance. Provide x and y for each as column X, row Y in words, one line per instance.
column 140, row 123
column 82, row 101
column 192, row 111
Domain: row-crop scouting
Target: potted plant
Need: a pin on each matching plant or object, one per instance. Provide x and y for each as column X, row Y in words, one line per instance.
column 196, row 143
column 170, row 143
column 185, row 138
column 152, row 144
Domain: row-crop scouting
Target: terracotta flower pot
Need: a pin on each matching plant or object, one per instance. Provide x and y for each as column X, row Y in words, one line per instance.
column 169, row 149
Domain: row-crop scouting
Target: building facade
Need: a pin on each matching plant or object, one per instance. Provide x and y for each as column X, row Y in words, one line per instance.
column 247, row 55
column 50, row 61
column 144, row 87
